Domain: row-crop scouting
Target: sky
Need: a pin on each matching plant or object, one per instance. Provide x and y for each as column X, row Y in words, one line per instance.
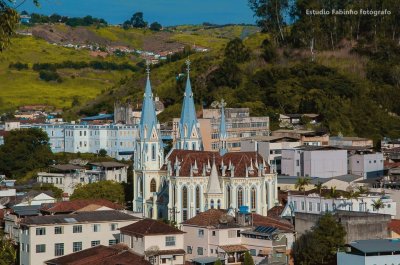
column 166, row 12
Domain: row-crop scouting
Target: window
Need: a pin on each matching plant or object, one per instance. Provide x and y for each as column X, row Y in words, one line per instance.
column 41, row 248
column 199, row 251
column 310, row 206
column 184, row 203
column 240, row 197
column 253, row 198
column 189, row 249
column 22, row 247
column 58, row 230
column 212, row 251
column 113, row 227
column 76, row 246
column 302, row 206
column 297, row 162
column 213, row 233
column 253, row 252
column 197, row 197
column 169, row 241
column 27, row 247
column 153, row 185
column 219, row 204
column 153, row 152
column 59, row 249
column 212, row 204
column 318, row 207
column 77, row 229
column 41, row 231
column 201, row 233
column 163, row 260
column 228, row 195
column 95, row 243
column 112, row 242
column 96, row 228
column 295, row 205
column 237, row 233
column 326, row 207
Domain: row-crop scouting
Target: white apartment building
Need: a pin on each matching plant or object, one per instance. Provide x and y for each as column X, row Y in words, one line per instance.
column 46, row 237
column 314, row 161
column 311, row 202
column 370, row 252
column 368, row 165
column 159, row 242
column 68, row 176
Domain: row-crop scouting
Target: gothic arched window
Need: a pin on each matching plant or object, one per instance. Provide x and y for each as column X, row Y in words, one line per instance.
column 140, row 185
column 240, row 197
column 153, row 152
column 253, row 196
column 197, row 199
column 153, row 185
column 212, row 204
column 184, row 203
column 219, row 204
column 228, row 196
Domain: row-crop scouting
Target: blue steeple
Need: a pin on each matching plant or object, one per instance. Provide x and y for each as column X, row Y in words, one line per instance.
column 148, row 119
column 222, row 130
column 188, row 139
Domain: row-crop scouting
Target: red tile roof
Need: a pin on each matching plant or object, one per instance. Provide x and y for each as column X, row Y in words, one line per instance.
column 204, row 159
column 101, row 255
column 148, row 227
column 394, row 226
column 233, row 248
column 275, row 211
column 210, row 217
column 280, row 223
column 75, row 205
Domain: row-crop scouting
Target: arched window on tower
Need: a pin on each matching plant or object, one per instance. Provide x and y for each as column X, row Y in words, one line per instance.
column 240, row 197
column 198, row 199
column 212, row 204
column 140, row 187
column 228, row 197
column 184, row 203
column 185, row 131
column 173, row 196
column 219, row 204
column 253, row 198
column 153, row 152
column 153, row 185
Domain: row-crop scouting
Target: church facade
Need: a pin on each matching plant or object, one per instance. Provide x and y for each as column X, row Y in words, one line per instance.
column 189, row 180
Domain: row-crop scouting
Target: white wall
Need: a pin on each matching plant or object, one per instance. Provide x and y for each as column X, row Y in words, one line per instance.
column 362, row 164
column 348, row 259
column 325, row 163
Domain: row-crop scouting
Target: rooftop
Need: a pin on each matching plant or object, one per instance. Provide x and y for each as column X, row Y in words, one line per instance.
column 109, row 164
column 75, row 205
column 79, row 217
column 149, row 227
column 376, row 245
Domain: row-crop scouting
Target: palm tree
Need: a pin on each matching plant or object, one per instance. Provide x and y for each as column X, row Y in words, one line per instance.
column 362, row 190
column 378, row 205
column 301, row 183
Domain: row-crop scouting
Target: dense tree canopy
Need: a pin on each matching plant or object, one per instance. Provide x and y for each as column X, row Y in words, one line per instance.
column 8, row 253
column 24, row 150
column 109, row 190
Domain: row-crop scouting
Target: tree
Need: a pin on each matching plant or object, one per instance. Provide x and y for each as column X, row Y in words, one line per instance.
column 8, row 253
column 378, row 204
column 155, row 26
column 218, row 262
column 236, row 51
column 106, row 189
column 24, row 150
column 248, row 259
column 269, row 54
column 57, row 192
column 319, row 187
column 319, row 246
column 302, row 182
column 362, row 190
column 102, row 152
column 137, row 20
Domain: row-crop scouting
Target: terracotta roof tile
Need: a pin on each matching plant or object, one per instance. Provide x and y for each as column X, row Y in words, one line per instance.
column 280, row 223
column 233, row 248
column 75, row 205
column 204, row 159
column 275, row 211
column 210, row 217
column 149, row 227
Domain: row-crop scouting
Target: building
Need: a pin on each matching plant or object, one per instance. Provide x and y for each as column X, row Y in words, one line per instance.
column 340, row 141
column 306, row 137
column 82, row 205
column 370, row 252
column 366, row 164
column 46, row 237
column 219, row 234
column 270, row 148
column 189, row 180
column 68, row 176
column 394, row 228
column 313, row 202
column 314, row 161
column 158, row 242
column 106, row 255
column 297, row 119
column 123, row 113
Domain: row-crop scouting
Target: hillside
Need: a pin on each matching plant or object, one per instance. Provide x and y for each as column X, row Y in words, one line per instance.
column 46, row 45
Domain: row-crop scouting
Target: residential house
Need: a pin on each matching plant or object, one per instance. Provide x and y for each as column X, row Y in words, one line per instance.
column 306, row 137
column 67, row 207
column 159, row 242
column 46, row 237
column 101, row 255
column 366, row 164
column 370, row 252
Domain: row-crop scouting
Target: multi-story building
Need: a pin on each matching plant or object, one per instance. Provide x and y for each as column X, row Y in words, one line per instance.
column 306, row 137
column 314, row 161
column 370, row 252
column 219, row 234
column 68, row 176
column 158, row 242
column 270, row 148
column 46, row 237
column 366, row 164
column 341, row 141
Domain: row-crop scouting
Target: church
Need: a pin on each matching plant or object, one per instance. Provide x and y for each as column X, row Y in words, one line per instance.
column 186, row 181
